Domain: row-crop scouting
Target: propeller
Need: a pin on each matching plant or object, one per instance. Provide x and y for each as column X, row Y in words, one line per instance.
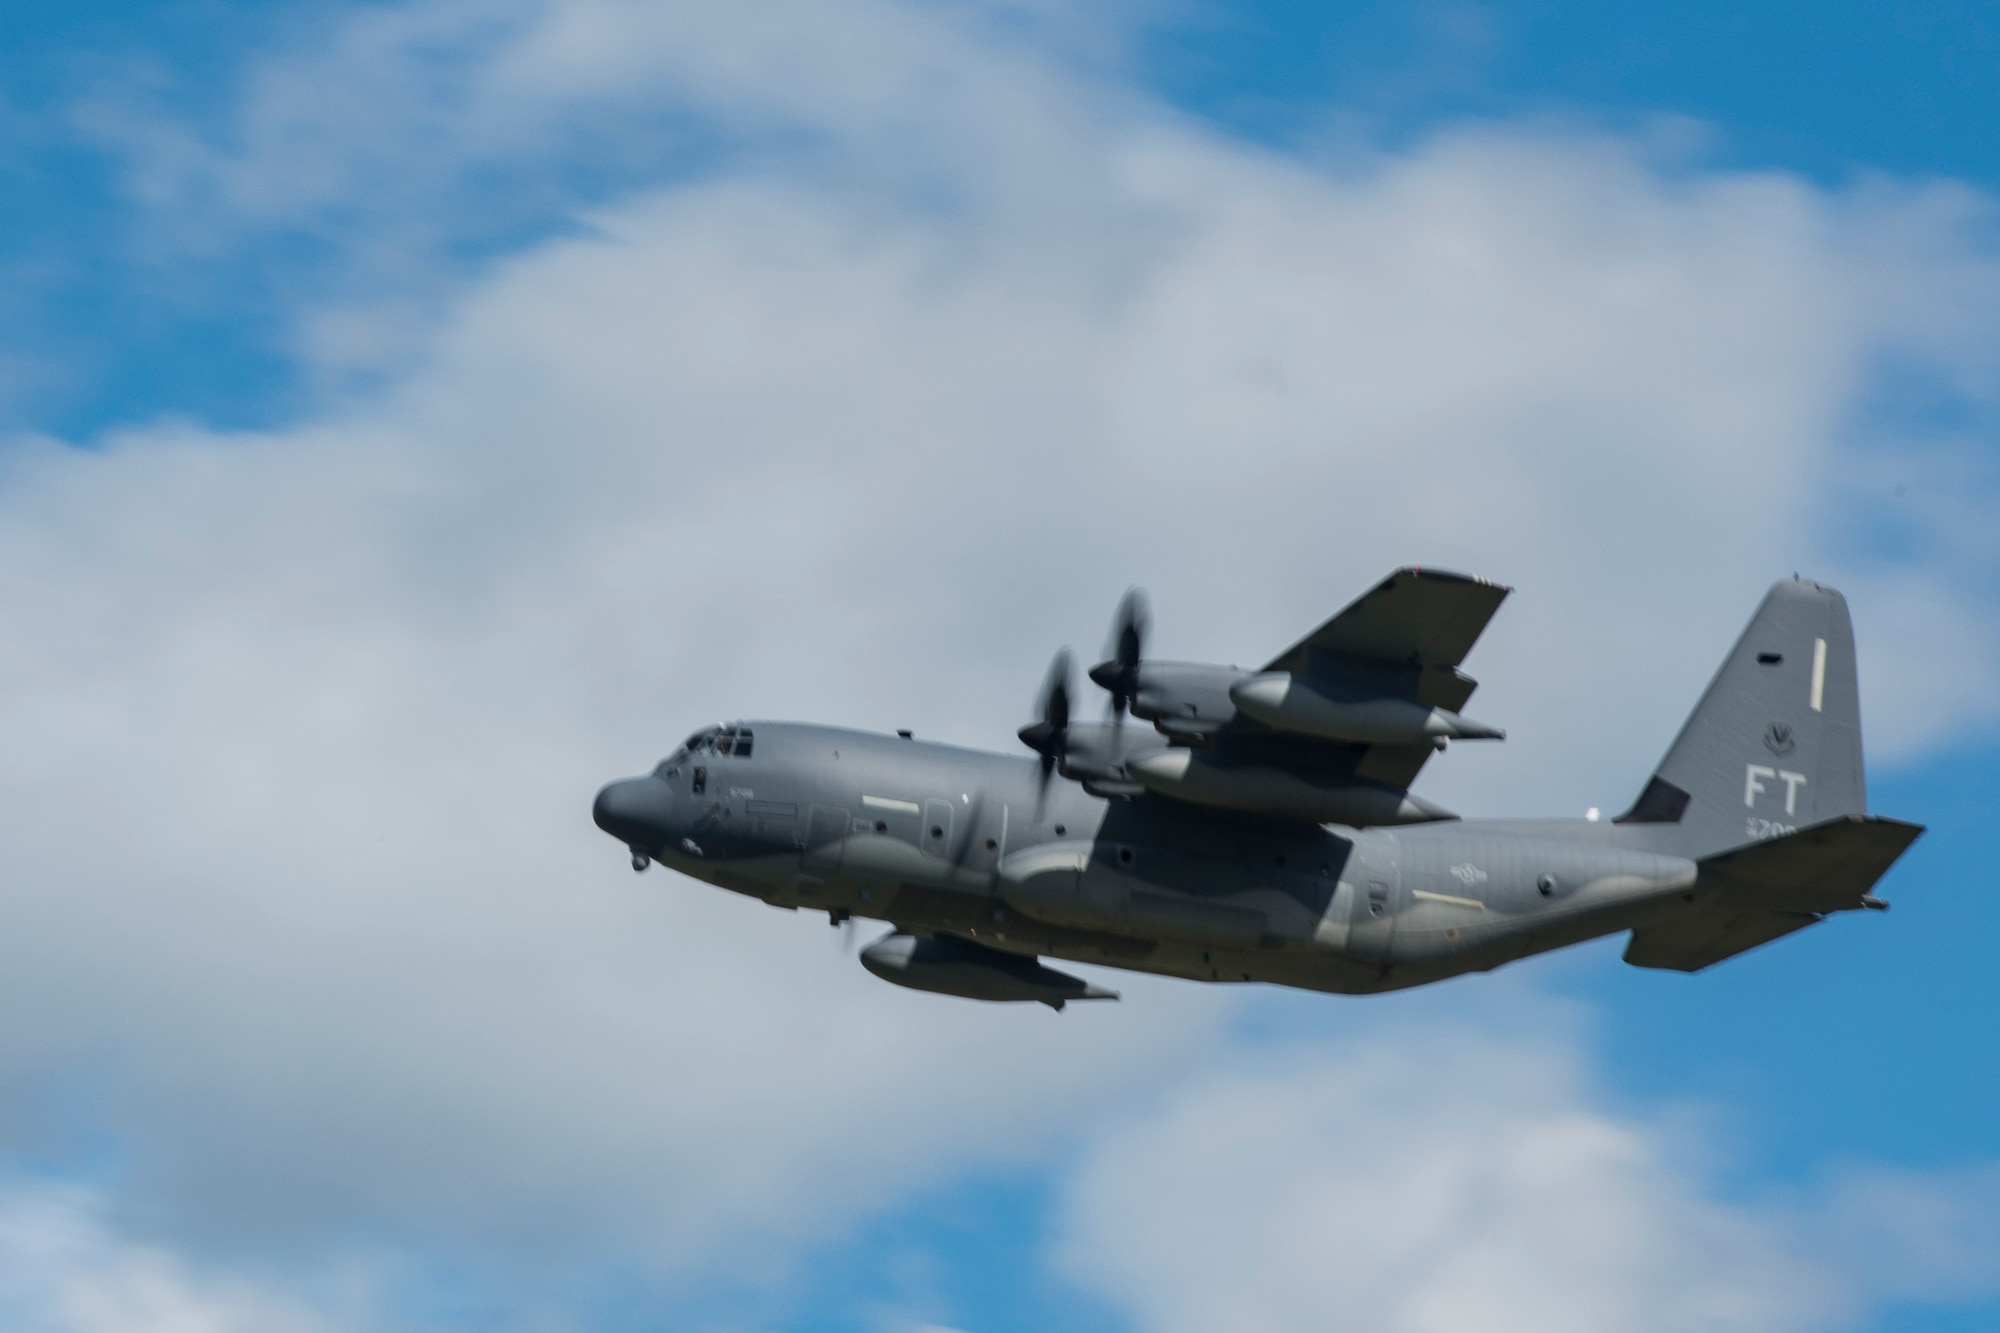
column 1049, row 737
column 1120, row 672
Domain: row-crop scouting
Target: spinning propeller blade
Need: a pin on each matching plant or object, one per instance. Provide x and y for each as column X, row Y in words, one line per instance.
column 1049, row 737
column 1119, row 673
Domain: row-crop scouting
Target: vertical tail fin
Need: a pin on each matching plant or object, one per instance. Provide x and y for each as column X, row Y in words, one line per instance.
column 1775, row 743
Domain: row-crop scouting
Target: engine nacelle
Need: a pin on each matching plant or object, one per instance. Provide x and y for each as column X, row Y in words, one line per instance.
column 947, row 965
column 1185, row 697
column 1094, row 754
column 1259, row 789
column 1284, row 702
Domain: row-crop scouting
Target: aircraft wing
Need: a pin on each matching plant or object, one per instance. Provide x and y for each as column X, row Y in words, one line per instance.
column 1770, row 889
column 1404, row 637
column 1415, row 617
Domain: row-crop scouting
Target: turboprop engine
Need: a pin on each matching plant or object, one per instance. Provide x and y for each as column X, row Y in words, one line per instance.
column 1285, row 702
column 1190, row 699
column 948, row 965
column 1333, row 730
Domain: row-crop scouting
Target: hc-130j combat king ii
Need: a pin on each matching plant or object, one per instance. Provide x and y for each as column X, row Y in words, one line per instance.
column 1262, row 827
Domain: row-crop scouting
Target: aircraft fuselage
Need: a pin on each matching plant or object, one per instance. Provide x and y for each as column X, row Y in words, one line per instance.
column 974, row 845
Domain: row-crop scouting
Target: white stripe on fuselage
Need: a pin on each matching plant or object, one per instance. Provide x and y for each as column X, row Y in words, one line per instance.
column 1473, row 903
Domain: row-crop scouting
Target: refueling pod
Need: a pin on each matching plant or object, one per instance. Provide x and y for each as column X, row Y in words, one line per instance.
column 1285, row 702
column 948, row 965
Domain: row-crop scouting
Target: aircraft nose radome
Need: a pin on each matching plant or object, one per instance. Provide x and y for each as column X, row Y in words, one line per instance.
column 634, row 810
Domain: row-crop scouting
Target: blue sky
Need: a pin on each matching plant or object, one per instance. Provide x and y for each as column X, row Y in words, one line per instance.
column 1858, row 90
column 414, row 414
column 1827, row 91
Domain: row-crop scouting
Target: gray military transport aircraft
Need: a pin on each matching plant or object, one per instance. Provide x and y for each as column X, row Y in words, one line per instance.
column 1262, row 827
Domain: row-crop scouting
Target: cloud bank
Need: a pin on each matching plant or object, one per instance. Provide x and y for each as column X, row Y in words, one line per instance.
column 857, row 422
column 1431, row 1180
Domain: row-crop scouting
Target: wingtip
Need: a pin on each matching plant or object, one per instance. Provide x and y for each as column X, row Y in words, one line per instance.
column 1432, row 572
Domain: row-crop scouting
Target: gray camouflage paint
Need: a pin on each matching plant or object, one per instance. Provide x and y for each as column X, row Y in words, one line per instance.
column 973, row 848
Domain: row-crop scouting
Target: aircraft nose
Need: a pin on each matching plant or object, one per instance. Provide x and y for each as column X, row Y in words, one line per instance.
column 635, row 811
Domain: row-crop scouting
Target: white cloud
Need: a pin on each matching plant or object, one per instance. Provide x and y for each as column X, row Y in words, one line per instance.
column 395, row 139
column 303, row 726
column 1430, row 1181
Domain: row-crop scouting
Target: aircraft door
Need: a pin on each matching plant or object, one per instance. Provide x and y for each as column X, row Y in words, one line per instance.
column 982, row 830
column 826, row 838
column 1372, row 873
column 935, row 836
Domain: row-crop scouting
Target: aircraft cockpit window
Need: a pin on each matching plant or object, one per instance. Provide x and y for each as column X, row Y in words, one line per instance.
column 732, row 741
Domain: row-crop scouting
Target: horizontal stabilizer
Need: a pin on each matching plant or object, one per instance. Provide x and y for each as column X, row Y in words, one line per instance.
column 1710, row 934
column 1755, row 894
column 1825, row 868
